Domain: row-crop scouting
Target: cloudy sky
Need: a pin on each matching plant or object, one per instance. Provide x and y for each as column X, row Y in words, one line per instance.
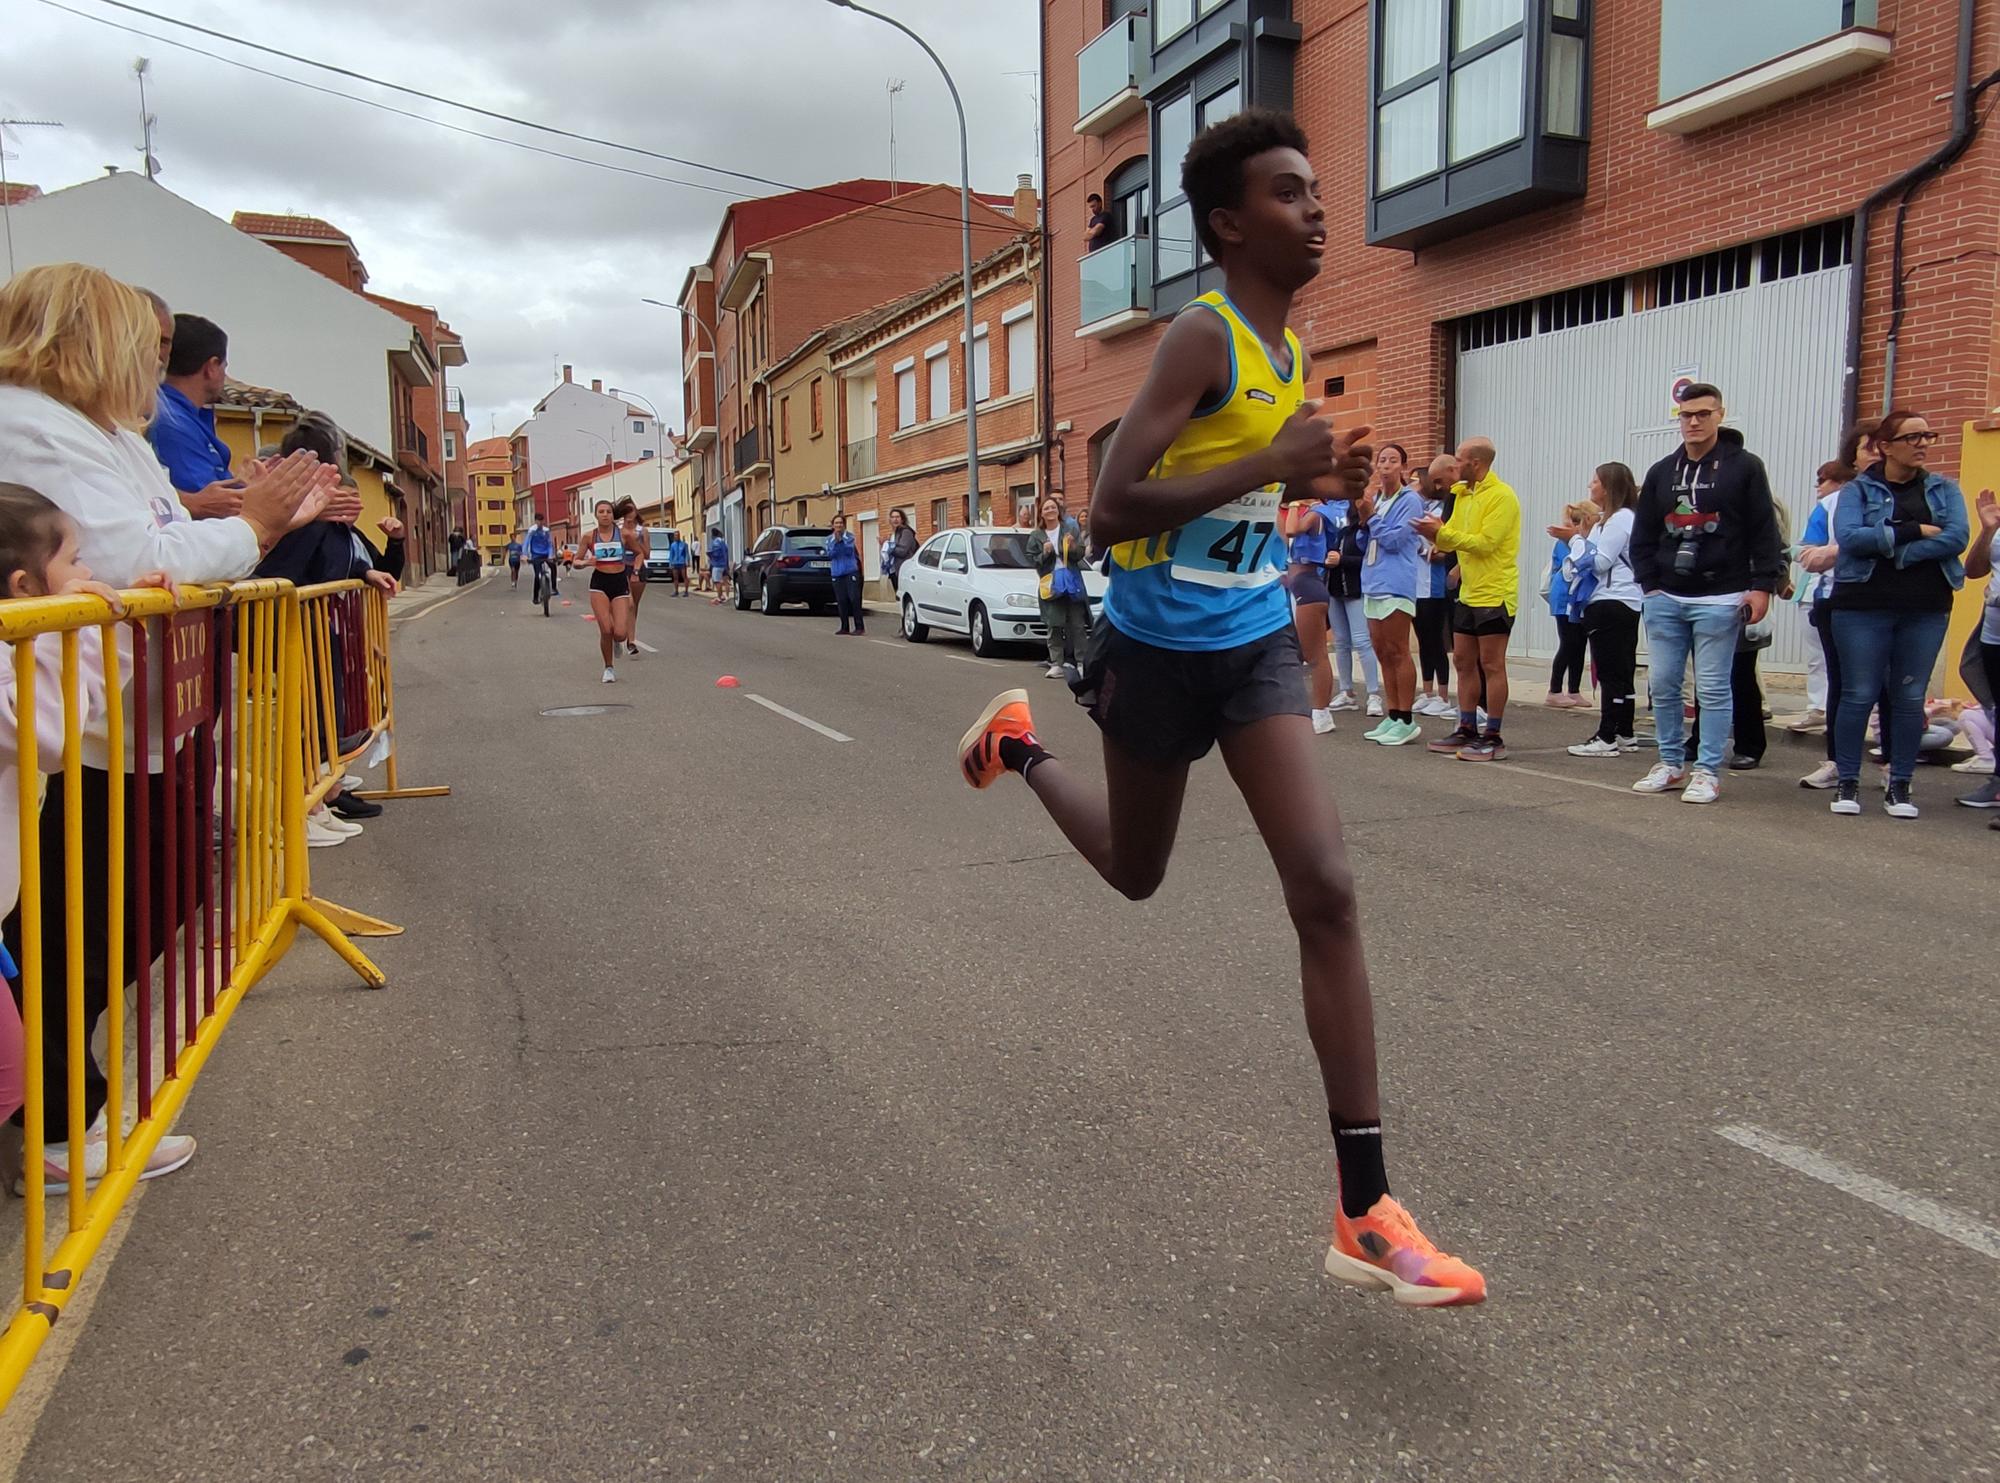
column 534, row 260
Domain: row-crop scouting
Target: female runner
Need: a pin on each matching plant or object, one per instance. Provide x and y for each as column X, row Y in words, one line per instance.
column 610, row 589
column 638, row 546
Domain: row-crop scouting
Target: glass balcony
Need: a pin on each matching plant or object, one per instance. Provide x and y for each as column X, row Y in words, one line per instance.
column 1114, row 296
column 861, row 459
column 1107, row 77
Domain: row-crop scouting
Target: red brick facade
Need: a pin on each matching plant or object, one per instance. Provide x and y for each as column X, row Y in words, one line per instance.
column 920, row 469
column 1377, row 315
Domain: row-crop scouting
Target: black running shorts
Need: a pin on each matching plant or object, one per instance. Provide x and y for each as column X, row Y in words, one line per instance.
column 1170, row 705
column 1481, row 622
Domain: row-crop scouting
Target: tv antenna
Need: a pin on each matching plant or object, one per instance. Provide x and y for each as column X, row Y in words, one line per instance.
column 895, row 86
column 1035, row 98
column 140, row 67
column 6, row 191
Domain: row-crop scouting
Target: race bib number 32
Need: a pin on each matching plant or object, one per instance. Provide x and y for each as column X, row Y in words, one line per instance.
column 1237, row 545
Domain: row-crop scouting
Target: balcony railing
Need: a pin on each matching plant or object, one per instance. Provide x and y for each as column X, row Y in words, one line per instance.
column 1113, row 295
column 454, row 400
column 749, row 450
column 861, row 459
column 1107, row 76
column 415, row 441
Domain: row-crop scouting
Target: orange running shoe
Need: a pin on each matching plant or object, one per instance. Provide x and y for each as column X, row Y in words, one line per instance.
column 979, row 752
column 1384, row 1248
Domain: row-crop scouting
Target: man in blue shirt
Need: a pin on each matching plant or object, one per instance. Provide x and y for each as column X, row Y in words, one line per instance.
column 541, row 549
column 183, row 430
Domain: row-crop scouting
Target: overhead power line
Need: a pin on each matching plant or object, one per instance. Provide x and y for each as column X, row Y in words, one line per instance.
column 888, row 207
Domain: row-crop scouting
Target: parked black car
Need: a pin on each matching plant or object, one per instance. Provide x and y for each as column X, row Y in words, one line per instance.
column 787, row 563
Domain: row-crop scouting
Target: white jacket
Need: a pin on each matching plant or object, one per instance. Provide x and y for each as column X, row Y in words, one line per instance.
column 48, row 723
column 129, row 519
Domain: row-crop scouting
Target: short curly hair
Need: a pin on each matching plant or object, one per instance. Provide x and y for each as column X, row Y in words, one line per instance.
column 1212, row 172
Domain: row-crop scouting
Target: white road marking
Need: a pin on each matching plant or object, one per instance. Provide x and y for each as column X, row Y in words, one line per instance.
column 645, row 647
column 1953, row 1225
column 1557, row 777
column 961, row 658
column 888, row 643
column 806, row 721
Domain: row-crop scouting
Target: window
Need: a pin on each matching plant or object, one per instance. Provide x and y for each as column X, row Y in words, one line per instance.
column 1481, row 111
column 982, row 365
column 819, row 417
column 937, row 368
column 1021, row 355
column 906, row 395
column 940, row 518
column 784, row 422
column 768, row 542
column 935, row 547
column 1219, row 106
column 1173, row 226
column 1704, row 41
column 1170, row 18
column 450, row 447
column 638, row 424
column 956, row 546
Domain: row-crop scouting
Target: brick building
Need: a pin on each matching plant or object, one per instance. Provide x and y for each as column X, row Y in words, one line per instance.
column 783, row 268
column 900, row 399
column 1543, row 212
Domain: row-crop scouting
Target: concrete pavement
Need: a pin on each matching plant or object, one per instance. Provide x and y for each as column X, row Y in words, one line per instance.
column 752, row 1104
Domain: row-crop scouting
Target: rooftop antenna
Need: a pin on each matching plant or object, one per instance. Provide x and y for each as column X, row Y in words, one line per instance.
column 140, row 67
column 895, row 86
column 1035, row 98
column 6, row 194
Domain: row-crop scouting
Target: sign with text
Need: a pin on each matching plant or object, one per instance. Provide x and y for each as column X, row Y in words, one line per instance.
column 187, row 696
column 1683, row 377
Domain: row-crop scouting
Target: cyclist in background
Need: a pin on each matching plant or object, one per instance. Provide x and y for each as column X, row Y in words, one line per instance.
column 541, row 548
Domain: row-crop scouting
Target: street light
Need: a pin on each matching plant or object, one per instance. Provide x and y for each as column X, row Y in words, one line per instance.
column 610, row 465
column 965, row 253
column 659, row 449
column 714, row 387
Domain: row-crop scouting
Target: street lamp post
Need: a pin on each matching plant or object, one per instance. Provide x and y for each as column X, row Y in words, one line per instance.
column 610, row 467
column 965, row 253
column 714, row 387
column 660, row 438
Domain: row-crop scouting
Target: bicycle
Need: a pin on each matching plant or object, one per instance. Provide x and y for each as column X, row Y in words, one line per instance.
column 545, row 585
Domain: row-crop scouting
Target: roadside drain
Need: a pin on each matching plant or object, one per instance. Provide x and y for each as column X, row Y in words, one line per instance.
column 587, row 710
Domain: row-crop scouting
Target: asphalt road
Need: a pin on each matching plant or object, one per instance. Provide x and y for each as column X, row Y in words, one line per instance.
column 748, row 1104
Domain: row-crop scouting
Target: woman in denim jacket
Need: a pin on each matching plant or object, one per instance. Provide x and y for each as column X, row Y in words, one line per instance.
column 1900, row 530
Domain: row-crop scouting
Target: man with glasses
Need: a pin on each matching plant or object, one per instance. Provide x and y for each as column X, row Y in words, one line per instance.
column 1707, row 551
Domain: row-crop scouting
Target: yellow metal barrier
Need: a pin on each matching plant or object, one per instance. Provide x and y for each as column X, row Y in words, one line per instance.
column 219, row 696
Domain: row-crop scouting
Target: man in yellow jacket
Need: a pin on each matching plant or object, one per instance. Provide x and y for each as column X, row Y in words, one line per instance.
column 1485, row 531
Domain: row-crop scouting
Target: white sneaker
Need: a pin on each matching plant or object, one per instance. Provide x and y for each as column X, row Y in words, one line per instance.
column 169, row 1154
column 332, row 822
column 610, row 675
column 1597, row 746
column 1054, row 672
column 1426, row 706
column 1628, row 743
column 1822, row 777
column 1980, row 765
column 1662, row 779
column 1375, row 706
column 1322, row 722
column 1702, row 787
column 1344, row 701
column 1812, row 720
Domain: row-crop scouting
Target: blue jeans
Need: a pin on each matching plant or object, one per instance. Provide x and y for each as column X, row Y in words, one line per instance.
column 1350, row 637
column 1884, row 653
column 1707, row 632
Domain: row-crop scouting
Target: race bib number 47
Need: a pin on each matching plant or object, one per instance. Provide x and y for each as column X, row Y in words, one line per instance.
column 1237, row 545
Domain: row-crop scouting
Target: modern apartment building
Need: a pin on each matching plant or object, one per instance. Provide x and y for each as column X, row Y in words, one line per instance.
column 1542, row 213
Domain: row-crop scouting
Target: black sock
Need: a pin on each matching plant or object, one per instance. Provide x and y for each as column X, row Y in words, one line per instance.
column 1018, row 756
column 1404, row 716
column 1358, row 1152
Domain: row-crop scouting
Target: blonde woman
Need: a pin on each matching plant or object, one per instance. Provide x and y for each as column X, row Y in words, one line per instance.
column 79, row 371
column 1566, row 604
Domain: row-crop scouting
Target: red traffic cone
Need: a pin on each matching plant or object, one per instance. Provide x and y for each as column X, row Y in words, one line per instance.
column 728, row 682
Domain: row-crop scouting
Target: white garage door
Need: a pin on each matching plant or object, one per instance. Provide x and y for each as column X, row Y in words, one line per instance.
column 1558, row 404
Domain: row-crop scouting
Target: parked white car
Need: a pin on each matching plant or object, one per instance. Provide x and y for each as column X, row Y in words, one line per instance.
column 976, row 581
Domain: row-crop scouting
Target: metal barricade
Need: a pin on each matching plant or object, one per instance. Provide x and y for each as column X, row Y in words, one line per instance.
column 173, row 831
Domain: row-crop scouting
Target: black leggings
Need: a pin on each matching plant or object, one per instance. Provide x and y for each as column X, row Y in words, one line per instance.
column 847, row 600
column 1434, row 640
column 1613, row 631
column 1570, row 641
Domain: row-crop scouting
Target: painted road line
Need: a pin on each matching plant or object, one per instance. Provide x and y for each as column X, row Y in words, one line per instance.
column 888, row 643
column 645, row 647
column 806, row 721
column 1953, row 1225
column 1557, row 777
column 961, row 658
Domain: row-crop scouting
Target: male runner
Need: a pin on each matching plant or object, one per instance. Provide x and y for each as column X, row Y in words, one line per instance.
column 1196, row 646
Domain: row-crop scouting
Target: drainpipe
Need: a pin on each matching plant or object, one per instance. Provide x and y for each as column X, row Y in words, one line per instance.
column 1907, row 184
column 1045, row 311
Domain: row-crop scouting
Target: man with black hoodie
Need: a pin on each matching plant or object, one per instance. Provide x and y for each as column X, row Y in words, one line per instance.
column 1706, row 551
